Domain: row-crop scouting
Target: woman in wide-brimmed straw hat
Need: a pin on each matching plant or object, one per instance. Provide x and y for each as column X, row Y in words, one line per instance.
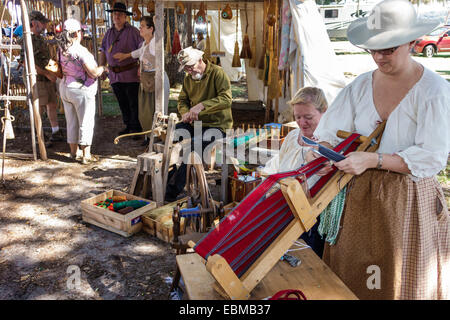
column 394, row 240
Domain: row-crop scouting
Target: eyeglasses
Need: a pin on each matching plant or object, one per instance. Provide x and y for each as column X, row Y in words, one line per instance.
column 384, row 52
column 189, row 68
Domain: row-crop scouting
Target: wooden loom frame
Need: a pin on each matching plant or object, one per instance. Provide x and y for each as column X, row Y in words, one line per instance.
column 152, row 168
column 305, row 211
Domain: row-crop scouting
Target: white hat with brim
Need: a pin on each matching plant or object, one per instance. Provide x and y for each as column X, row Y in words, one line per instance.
column 188, row 57
column 391, row 23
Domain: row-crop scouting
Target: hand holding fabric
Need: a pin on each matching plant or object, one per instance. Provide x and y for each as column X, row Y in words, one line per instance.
column 358, row 162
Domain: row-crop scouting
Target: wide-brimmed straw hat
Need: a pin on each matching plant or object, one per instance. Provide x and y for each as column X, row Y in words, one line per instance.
column 188, row 57
column 120, row 7
column 391, row 23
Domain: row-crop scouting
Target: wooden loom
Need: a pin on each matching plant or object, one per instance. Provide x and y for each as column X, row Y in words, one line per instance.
column 304, row 211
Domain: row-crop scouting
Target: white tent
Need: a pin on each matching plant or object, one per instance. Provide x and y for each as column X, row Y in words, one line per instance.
column 310, row 49
column 310, row 56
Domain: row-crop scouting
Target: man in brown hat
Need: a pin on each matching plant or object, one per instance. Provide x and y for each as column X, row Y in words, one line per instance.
column 123, row 75
column 45, row 79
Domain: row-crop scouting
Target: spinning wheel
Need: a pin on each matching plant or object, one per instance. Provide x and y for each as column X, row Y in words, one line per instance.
column 198, row 191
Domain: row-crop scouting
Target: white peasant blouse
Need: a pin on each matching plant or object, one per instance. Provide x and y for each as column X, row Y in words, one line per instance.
column 290, row 157
column 418, row 130
column 146, row 55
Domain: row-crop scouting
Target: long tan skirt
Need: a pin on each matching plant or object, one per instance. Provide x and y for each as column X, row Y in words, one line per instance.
column 394, row 241
column 146, row 108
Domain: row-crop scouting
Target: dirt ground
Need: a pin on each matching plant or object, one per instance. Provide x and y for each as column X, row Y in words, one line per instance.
column 43, row 240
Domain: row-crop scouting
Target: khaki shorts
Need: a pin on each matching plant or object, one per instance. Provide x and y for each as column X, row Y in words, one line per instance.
column 47, row 92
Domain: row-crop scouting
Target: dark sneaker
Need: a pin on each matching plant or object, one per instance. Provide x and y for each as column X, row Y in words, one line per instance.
column 145, row 142
column 137, row 137
column 57, row 136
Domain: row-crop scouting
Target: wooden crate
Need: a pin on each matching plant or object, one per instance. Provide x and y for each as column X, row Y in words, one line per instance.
column 238, row 189
column 158, row 222
column 123, row 224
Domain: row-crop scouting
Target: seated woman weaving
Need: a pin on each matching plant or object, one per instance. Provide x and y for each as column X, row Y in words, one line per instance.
column 394, row 240
column 308, row 105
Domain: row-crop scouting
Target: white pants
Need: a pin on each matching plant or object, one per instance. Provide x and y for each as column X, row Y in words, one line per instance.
column 79, row 109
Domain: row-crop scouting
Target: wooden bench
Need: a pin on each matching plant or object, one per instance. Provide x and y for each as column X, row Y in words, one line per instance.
column 313, row 277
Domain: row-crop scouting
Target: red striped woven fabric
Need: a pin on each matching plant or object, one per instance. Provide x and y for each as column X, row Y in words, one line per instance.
column 243, row 235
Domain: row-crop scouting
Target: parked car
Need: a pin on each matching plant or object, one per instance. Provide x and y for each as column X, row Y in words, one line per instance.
column 437, row 40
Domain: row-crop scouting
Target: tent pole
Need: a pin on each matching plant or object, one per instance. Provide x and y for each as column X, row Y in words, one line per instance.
column 98, row 98
column 32, row 77
column 30, row 106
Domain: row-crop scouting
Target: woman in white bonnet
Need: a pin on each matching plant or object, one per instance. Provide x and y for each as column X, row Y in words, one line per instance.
column 394, row 241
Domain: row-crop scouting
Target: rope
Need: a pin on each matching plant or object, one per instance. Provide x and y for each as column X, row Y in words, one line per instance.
column 299, row 246
column 330, row 218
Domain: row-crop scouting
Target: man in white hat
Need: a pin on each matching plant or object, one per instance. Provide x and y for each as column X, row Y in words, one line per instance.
column 394, row 235
column 205, row 97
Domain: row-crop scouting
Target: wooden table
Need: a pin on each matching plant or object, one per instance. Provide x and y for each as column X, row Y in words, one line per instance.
column 313, row 277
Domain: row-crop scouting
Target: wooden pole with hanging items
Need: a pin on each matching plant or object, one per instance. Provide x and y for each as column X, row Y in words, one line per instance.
column 246, row 52
column 32, row 77
column 252, row 62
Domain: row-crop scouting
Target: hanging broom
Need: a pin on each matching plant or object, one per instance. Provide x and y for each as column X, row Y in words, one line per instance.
column 246, row 52
column 169, row 42
column 262, row 58
column 176, row 45
column 273, row 91
column 252, row 62
column 236, row 59
column 207, row 51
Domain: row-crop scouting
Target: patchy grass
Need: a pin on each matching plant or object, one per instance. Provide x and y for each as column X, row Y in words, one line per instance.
column 444, row 177
column 444, row 73
column 110, row 105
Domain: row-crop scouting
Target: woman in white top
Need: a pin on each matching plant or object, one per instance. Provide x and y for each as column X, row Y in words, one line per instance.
column 394, row 241
column 308, row 105
column 146, row 55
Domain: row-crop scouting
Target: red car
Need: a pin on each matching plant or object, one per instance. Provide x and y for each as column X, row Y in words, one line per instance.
column 436, row 41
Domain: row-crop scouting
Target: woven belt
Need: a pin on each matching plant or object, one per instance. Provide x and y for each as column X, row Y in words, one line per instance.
column 119, row 69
